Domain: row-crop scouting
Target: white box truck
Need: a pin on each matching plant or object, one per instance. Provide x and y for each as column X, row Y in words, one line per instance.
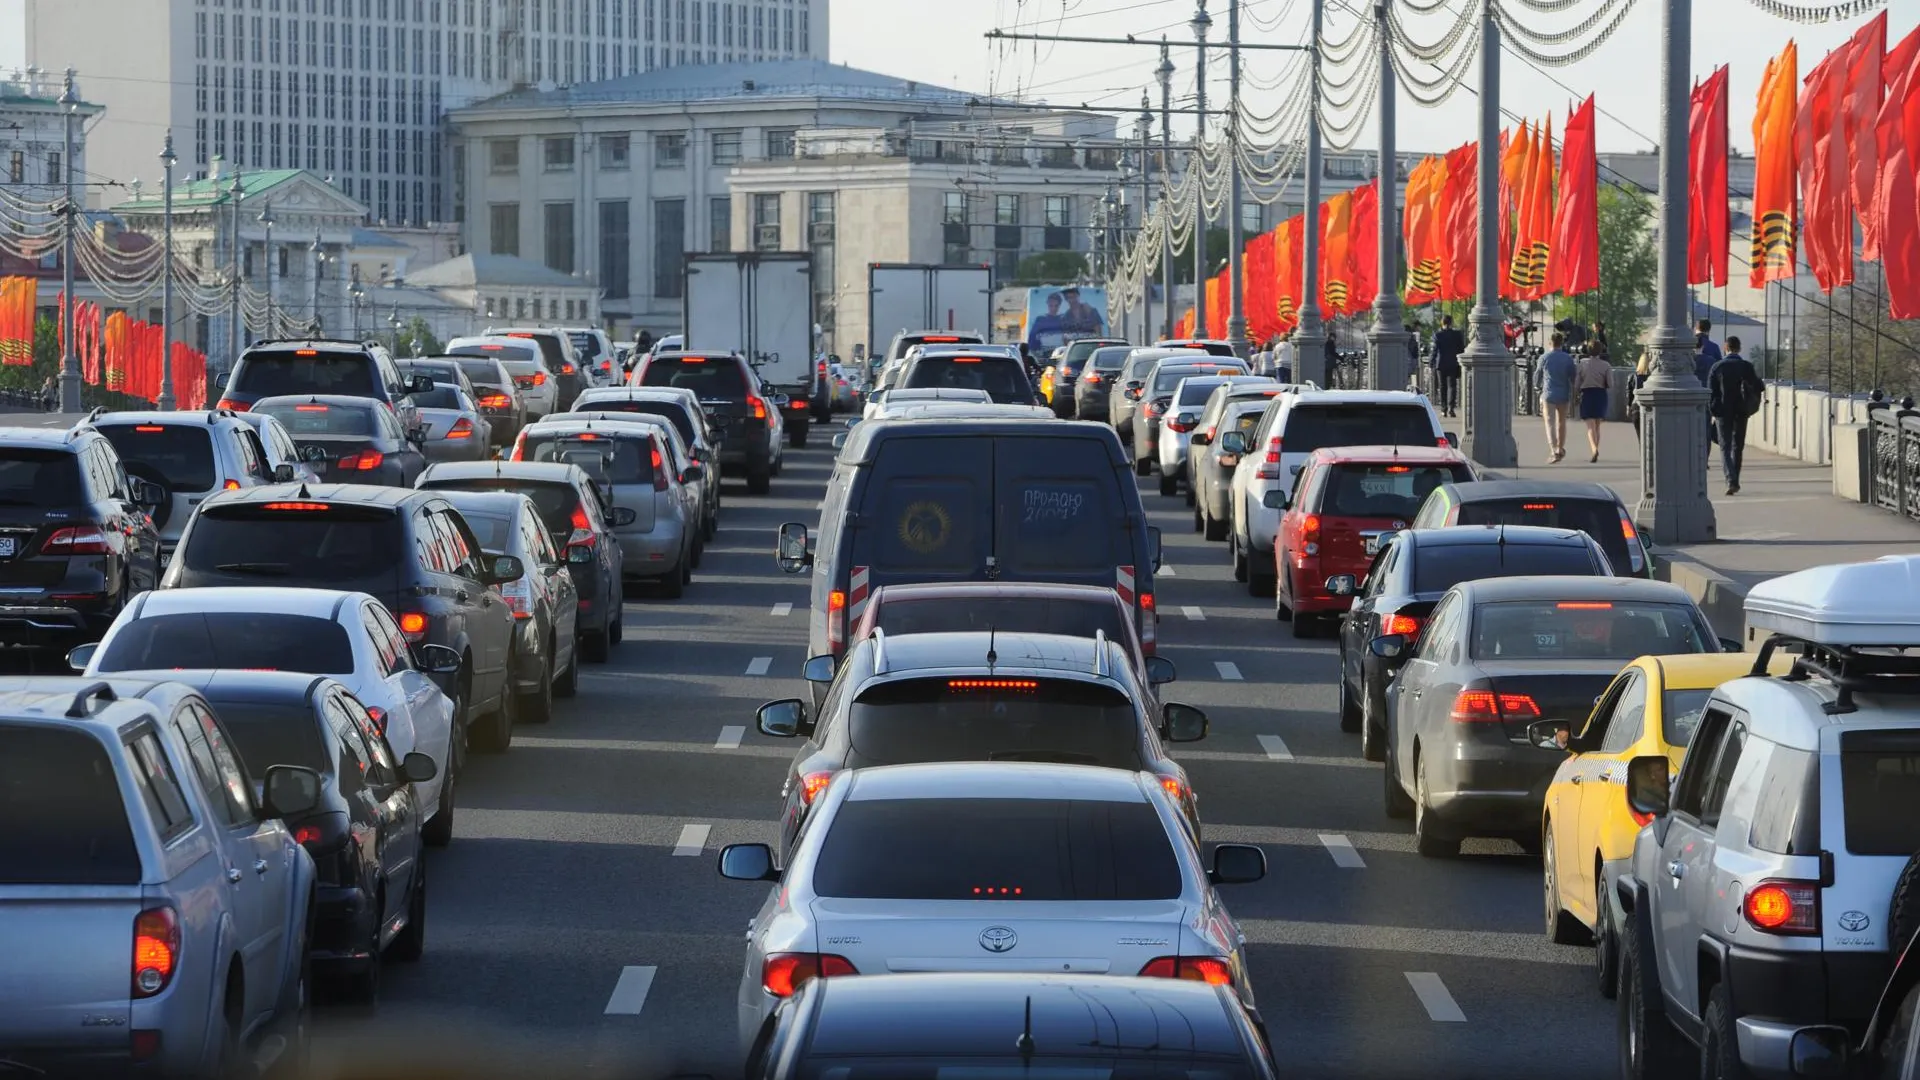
column 758, row 304
column 903, row 298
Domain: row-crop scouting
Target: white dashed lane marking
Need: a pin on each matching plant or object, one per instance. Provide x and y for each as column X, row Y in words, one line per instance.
column 1432, row 993
column 1276, row 748
column 1194, row 613
column 782, row 609
column 1228, row 670
column 1341, row 848
column 693, row 840
column 730, row 737
column 759, row 665
column 630, row 993
column 1167, row 570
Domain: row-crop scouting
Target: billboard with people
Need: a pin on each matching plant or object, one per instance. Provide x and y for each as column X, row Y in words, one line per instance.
column 1057, row 314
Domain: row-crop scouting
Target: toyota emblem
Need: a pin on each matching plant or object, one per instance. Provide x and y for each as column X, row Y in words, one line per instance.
column 1853, row 921
column 998, row 939
column 1399, row 525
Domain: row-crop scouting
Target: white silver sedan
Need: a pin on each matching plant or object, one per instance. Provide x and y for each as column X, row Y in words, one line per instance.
column 959, row 866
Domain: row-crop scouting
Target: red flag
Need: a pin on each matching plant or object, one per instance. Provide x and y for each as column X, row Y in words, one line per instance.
column 1897, row 132
column 1708, row 229
column 1290, row 253
column 1336, row 221
column 1217, row 305
column 1574, row 265
column 1826, row 219
column 1861, row 112
column 1256, row 269
column 1425, row 252
column 1363, row 248
column 1463, row 222
column 1184, row 328
column 1515, row 146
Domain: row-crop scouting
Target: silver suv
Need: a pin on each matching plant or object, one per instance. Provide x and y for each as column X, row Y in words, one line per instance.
column 154, row 907
column 1768, row 896
column 190, row 455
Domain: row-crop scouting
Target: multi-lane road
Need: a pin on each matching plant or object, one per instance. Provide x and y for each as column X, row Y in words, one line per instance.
column 577, row 926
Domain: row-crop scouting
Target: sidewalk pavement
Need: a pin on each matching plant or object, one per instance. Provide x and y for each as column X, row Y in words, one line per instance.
column 1784, row 519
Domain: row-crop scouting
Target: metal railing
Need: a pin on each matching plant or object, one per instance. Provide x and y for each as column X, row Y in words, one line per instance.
column 1896, row 458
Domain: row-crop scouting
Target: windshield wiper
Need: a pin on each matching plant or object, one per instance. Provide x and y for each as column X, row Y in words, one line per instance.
column 278, row 569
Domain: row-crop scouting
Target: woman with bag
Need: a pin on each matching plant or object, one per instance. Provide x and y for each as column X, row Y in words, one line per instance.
column 1592, row 383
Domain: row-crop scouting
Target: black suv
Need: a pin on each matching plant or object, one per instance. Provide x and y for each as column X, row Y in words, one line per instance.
column 741, row 420
column 76, row 538
column 409, row 549
column 322, row 366
column 947, row 367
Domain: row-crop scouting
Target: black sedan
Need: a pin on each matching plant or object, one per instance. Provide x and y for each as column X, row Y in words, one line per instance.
column 1011, row 1024
column 359, row 440
column 1413, row 571
column 1497, row 656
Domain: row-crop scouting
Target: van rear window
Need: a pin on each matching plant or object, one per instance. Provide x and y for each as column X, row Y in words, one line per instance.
column 181, row 453
column 273, row 372
column 1310, row 427
column 711, row 380
column 66, row 821
column 1880, row 791
column 1058, row 514
column 619, row 460
column 1020, row 614
column 1053, row 720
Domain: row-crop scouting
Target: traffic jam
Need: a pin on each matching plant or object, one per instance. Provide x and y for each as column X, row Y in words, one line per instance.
column 304, row 664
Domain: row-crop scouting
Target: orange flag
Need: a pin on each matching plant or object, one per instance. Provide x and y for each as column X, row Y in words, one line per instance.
column 1289, row 246
column 1336, row 219
column 1537, row 215
column 1462, row 226
column 1423, row 262
column 1774, row 170
column 1515, row 157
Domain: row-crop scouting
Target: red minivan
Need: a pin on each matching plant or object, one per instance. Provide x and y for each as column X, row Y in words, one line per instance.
column 1344, row 500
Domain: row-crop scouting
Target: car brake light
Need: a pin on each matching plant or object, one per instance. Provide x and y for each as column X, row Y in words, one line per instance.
column 1181, row 426
column 1442, row 442
column 1475, row 706
column 566, row 369
column 312, row 408
column 1640, row 820
column 76, row 540
column 1584, row 605
column 306, row 352
column 659, row 471
column 1093, row 377
column 413, row 625
column 758, row 406
column 1626, row 527
column 582, row 535
column 1155, row 408
column 461, row 429
column 496, row 401
column 993, row 684
column 1536, row 506
column 812, row 784
column 379, row 717
column 1207, row 969
column 298, row 506
column 307, row 834
column 1400, row 624
column 149, row 428
column 1310, row 528
column 1783, row 907
column 1174, row 787
column 230, row 403
column 783, row 973
column 539, row 378
column 364, row 461
column 156, row 950
column 231, row 485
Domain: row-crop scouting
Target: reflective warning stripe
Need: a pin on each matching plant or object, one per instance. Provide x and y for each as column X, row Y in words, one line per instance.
column 1123, row 583
column 857, row 594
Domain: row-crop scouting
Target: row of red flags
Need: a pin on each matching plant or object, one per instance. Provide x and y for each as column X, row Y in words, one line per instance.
column 115, row 350
column 1549, row 235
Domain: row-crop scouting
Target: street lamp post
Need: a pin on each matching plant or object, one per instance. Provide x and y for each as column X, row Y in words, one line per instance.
column 318, row 258
column 1165, row 74
column 1236, row 227
column 1488, row 365
column 355, row 296
column 1145, row 130
column 69, row 363
column 266, row 219
column 1201, row 23
column 1388, row 356
column 1116, row 237
column 236, row 280
column 167, row 159
column 1310, row 336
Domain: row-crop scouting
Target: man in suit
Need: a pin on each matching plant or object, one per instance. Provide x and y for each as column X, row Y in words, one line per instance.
column 1448, row 344
column 1736, row 390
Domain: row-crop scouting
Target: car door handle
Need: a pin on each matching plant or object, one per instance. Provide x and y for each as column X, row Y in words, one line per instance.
column 1575, row 780
column 461, row 596
column 259, row 866
column 1676, row 869
column 233, row 875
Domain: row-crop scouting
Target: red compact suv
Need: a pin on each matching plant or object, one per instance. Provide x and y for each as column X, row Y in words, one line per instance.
column 1344, row 500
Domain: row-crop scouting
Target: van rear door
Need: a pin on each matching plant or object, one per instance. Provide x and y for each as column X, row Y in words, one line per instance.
column 1062, row 517
column 925, row 514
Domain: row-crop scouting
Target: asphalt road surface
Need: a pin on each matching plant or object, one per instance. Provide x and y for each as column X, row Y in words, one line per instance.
column 577, row 926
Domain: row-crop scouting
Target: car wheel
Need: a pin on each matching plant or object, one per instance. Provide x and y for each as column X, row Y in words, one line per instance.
column 1373, row 737
column 593, row 646
column 363, row 986
column 537, row 707
column 674, row 585
column 1428, row 837
column 1562, row 927
column 1216, row 529
column 1259, row 584
column 758, row 483
column 1398, row 805
column 1720, row 1049
column 228, row 1061
column 1349, row 712
column 438, row 831
column 568, row 684
column 1188, row 490
column 1650, row 1047
column 1896, row 1053
column 1143, row 466
column 1606, row 940
column 294, row 1018
column 1169, row 484
column 1199, row 521
column 1238, row 556
column 798, row 435
column 411, row 942
column 497, row 735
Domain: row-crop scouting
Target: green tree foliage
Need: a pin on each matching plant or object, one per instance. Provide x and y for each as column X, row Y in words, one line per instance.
column 1629, row 271
column 416, row 339
column 1050, row 268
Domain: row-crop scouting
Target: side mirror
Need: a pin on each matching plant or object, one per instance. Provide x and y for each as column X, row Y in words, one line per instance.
column 1275, row 500
column 418, row 768
column 782, row 719
column 1389, row 647
column 146, row 493
column 220, row 380
column 622, row 515
column 693, row 474
column 420, row 384
column 1550, row 734
column 1153, row 545
column 436, row 659
column 1647, row 790
column 1133, row 393
column 1237, row 864
column 1182, row 723
column 1160, row 671
column 1342, row 585
column 818, row 669
column 701, row 453
column 580, row 555
column 505, row 568
column 747, row 862
column 290, row 791
column 1233, row 442
column 1453, row 439
column 1201, row 438
column 80, row 656
column 312, row 454
column 839, row 441
column 283, row 473
column 1728, row 644
column 791, row 552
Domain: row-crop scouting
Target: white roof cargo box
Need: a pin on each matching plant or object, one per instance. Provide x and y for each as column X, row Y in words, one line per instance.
column 1862, row 604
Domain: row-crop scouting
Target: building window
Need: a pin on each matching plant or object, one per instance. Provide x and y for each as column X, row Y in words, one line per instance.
column 614, row 253
column 670, row 151
column 720, row 224
column 820, row 240
column 503, row 228
column 957, row 238
column 559, row 236
column 669, row 246
column 1059, row 230
column 1249, row 218
column 726, row 147
column 556, row 155
column 780, row 143
column 503, row 155
column 53, row 167
column 1006, row 222
column 614, row 150
column 766, row 223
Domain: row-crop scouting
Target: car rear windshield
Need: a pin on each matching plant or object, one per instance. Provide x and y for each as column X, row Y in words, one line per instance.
column 269, row 734
column 1880, row 791
column 484, row 373
column 1111, row 357
column 1680, row 714
column 243, row 640
column 1598, row 518
column 554, row 500
column 314, row 418
column 980, row 719
column 494, row 532
column 66, row 822
column 441, row 396
column 910, row 340
column 1167, row 379
column 181, row 453
column 549, row 346
column 513, row 352
column 446, row 371
column 587, row 345
column 1164, row 1064
column 1196, row 391
column 273, row 372
column 1381, row 490
column 1310, row 427
column 1585, row 630
column 1439, row 567
column 675, row 414
column 1080, row 618
column 710, row 380
column 39, row 478
column 1004, row 380
column 294, row 545
column 616, row 460
column 1046, row 849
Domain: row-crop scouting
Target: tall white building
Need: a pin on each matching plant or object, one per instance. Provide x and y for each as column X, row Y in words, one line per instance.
column 356, row 90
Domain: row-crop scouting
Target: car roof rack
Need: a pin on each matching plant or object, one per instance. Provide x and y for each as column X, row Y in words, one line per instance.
column 1100, row 655
column 88, row 694
column 1848, row 668
column 310, row 341
column 879, row 651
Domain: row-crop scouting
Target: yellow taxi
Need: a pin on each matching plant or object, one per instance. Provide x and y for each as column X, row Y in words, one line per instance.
column 1650, row 708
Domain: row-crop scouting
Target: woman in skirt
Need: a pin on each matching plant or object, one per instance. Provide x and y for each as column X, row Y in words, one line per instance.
column 1592, row 381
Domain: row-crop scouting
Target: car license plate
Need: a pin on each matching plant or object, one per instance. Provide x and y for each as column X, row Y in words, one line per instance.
column 7, row 547
column 1373, row 545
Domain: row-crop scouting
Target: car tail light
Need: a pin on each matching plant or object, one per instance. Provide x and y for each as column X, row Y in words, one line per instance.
column 1270, row 468
column 1442, row 442
column 1092, row 377
column 782, row 973
column 413, row 625
column 307, row 834
column 758, row 406
column 836, row 621
column 519, row 598
column 566, row 369
column 496, row 401
column 364, row 461
column 297, row 506
column 149, row 428
column 1174, row 787
column 1783, row 907
column 1400, row 624
column 76, row 540
column 519, row 447
column 236, row 406
column 1310, row 528
column 230, row 485
column 582, row 535
column 156, row 950
column 379, row 717
column 539, row 378
column 1207, row 969
column 1481, row 705
column 812, row 784
column 1179, row 425
column 1640, row 820
column 1155, row 408
column 461, row 429
column 659, row 471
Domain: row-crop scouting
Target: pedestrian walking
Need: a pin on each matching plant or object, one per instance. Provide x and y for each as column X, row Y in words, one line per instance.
column 1555, row 385
column 1736, row 392
column 1705, row 352
column 1593, row 384
column 48, row 395
column 1284, row 362
column 1448, row 344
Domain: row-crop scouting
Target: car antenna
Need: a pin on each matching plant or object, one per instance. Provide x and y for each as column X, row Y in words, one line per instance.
column 303, row 490
column 992, row 657
column 1024, row 1043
